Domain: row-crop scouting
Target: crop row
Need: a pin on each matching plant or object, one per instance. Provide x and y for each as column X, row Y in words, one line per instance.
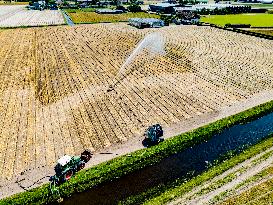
column 121, row 166
column 53, row 90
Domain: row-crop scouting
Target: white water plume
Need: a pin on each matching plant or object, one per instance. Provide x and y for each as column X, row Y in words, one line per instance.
column 153, row 43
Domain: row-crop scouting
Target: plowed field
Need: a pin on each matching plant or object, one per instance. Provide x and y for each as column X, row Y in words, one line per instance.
column 54, row 81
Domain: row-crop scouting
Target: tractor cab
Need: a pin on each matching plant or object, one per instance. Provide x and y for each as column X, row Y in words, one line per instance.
column 67, row 166
column 153, row 135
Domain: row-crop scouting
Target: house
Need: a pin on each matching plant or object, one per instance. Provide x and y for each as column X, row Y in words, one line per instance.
column 108, row 11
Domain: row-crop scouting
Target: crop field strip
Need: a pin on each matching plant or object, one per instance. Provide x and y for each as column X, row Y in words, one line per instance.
column 87, row 16
column 54, row 99
column 233, row 195
column 261, row 193
column 16, row 16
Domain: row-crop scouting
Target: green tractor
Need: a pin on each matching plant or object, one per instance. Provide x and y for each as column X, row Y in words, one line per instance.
column 153, row 135
column 66, row 167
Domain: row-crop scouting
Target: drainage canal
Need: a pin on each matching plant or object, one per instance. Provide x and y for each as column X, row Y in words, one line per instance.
column 68, row 19
column 194, row 160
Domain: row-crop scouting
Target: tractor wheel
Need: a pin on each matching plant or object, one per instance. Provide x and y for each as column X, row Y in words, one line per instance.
column 80, row 166
column 146, row 142
column 86, row 156
column 68, row 175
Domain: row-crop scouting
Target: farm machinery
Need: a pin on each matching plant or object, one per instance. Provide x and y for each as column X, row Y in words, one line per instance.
column 66, row 167
column 153, row 135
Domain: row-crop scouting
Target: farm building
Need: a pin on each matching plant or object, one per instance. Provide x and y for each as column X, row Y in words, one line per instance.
column 187, row 15
column 108, row 11
column 84, row 2
column 146, row 22
column 210, row 7
column 163, row 7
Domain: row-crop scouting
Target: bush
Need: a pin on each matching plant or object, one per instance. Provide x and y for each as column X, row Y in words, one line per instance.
column 121, row 8
column 134, row 8
column 167, row 19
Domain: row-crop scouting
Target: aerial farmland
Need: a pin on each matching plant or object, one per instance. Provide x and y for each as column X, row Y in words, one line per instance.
column 97, row 87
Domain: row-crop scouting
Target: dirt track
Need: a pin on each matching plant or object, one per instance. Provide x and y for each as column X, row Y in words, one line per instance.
column 207, row 198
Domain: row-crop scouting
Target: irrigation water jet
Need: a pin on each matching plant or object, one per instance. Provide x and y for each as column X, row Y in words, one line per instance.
column 153, row 43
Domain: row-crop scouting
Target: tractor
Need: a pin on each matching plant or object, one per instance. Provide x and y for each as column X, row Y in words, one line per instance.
column 66, row 167
column 153, row 135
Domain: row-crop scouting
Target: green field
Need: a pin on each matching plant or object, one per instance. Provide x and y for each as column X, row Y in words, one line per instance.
column 256, row 20
column 92, row 17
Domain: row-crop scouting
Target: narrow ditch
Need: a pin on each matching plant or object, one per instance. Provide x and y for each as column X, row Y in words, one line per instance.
column 193, row 160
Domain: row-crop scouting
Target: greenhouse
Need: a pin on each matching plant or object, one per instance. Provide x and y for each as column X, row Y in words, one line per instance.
column 146, row 22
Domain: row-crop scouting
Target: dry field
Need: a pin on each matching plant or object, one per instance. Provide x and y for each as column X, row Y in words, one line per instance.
column 54, row 81
column 15, row 16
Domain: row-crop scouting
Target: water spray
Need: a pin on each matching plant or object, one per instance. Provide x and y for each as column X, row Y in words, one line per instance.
column 154, row 43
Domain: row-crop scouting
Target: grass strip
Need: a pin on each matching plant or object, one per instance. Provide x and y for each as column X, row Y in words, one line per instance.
column 80, row 17
column 118, row 167
column 253, row 194
column 264, row 173
column 256, row 20
column 172, row 193
column 264, row 31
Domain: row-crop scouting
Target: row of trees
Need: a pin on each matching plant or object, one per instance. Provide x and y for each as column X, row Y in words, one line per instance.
column 227, row 10
column 133, row 4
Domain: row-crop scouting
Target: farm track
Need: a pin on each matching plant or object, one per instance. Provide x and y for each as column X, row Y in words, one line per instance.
column 206, row 192
column 54, row 81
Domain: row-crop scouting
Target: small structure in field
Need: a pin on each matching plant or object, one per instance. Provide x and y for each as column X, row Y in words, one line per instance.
column 108, row 11
column 187, row 15
column 163, row 7
column 146, row 22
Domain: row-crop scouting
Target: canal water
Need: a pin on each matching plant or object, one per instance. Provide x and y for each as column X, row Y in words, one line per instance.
column 193, row 160
column 68, row 19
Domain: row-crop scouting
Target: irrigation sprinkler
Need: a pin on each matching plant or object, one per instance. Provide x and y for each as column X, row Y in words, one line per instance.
column 153, row 42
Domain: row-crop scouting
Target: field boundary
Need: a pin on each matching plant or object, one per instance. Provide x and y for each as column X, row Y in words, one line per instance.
column 67, row 18
column 37, row 26
column 246, row 32
column 122, row 165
